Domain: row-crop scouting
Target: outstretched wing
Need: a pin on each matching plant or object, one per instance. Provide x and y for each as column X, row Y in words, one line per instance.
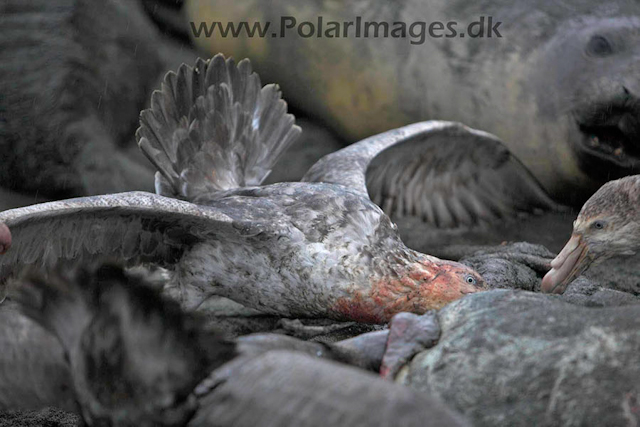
column 136, row 226
column 444, row 172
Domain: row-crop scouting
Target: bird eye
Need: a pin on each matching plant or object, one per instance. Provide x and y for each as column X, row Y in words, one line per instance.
column 470, row 279
column 598, row 224
column 599, row 46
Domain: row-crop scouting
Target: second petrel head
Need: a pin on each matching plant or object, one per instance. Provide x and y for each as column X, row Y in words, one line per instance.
column 608, row 225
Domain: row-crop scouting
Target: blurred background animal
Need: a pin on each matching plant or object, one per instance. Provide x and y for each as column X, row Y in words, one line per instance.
column 75, row 75
column 556, row 81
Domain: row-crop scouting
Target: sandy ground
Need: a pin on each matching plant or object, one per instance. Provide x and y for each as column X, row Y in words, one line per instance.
column 48, row 417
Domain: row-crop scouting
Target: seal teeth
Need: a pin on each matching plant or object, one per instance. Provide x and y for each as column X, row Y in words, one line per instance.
column 612, row 129
column 606, row 139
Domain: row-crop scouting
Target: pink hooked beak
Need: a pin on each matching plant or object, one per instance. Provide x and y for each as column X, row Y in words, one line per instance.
column 572, row 261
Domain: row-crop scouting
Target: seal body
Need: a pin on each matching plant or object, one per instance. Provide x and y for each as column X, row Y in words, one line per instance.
column 555, row 81
column 75, row 75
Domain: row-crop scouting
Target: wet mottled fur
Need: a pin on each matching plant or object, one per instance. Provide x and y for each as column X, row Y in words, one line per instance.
column 132, row 354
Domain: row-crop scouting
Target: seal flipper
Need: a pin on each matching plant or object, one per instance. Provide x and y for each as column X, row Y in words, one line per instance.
column 213, row 128
column 443, row 172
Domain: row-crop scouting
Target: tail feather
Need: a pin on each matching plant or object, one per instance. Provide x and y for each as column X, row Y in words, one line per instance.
column 213, row 128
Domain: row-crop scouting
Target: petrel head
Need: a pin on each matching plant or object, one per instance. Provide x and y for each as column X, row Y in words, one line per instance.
column 416, row 285
column 441, row 281
column 608, row 225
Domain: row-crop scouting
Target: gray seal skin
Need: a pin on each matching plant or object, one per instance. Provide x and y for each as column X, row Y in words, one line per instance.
column 74, row 76
column 560, row 87
column 515, row 358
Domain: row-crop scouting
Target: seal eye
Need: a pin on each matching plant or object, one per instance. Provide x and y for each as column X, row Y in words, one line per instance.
column 470, row 279
column 599, row 46
column 598, row 224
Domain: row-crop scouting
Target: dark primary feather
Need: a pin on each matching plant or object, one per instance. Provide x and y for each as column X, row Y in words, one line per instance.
column 444, row 172
column 213, row 128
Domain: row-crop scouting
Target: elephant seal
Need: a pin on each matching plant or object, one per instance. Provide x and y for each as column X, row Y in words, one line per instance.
column 559, row 85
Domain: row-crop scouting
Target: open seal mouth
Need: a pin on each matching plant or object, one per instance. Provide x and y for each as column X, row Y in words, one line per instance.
column 610, row 143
